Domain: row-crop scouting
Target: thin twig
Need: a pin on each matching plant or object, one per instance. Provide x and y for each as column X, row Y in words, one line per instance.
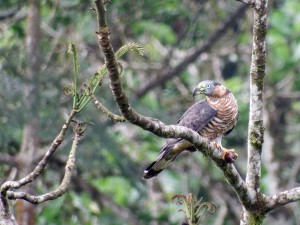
column 103, row 109
column 101, row 15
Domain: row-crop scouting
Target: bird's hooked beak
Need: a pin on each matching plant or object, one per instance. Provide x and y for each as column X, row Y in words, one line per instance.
column 198, row 90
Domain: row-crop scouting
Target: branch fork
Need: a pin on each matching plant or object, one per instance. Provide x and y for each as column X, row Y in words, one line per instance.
column 5, row 188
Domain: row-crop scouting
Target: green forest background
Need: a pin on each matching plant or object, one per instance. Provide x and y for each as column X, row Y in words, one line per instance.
column 107, row 187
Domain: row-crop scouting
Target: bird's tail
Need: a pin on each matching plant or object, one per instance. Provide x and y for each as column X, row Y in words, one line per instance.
column 163, row 161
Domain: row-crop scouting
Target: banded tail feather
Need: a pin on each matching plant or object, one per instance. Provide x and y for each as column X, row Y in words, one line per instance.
column 166, row 157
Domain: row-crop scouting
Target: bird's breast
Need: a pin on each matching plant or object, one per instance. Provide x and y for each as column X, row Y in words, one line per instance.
column 225, row 119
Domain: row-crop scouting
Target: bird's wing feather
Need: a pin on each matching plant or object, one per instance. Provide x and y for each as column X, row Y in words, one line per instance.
column 197, row 116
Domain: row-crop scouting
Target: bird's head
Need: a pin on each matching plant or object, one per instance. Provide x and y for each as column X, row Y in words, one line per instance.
column 206, row 87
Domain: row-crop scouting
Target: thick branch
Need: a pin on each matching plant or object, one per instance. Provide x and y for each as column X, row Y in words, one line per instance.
column 158, row 127
column 257, row 74
column 282, row 198
column 256, row 215
column 197, row 51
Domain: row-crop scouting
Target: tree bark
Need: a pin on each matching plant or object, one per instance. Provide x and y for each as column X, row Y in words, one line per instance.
column 256, row 127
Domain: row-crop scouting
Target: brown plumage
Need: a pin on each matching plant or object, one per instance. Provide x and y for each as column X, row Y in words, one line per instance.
column 212, row 118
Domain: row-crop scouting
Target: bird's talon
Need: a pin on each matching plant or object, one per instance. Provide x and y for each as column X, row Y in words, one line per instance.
column 229, row 155
column 225, row 152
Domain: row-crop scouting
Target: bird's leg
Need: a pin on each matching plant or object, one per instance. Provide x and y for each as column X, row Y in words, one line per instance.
column 228, row 155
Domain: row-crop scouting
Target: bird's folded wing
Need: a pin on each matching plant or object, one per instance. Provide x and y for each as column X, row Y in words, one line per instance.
column 198, row 116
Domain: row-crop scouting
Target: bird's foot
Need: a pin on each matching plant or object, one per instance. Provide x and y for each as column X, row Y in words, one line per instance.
column 228, row 155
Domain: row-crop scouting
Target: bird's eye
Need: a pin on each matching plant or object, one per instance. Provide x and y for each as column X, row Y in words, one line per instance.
column 208, row 86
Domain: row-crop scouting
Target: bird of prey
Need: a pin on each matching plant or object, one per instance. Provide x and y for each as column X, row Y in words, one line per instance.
column 213, row 118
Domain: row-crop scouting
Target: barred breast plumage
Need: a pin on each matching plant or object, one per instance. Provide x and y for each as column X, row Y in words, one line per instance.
column 225, row 119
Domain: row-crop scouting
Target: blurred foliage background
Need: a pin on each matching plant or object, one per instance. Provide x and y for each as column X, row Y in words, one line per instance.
column 107, row 187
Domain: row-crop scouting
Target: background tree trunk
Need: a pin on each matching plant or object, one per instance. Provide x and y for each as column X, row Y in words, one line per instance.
column 26, row 212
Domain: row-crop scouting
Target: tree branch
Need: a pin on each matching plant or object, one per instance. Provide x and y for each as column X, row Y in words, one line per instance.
column 255, row 214
column 70, row 165
column 282, row 198
column 197, row 51
column 108, row 113
column 157, row 127
column 37, row 170
column 257, row 74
